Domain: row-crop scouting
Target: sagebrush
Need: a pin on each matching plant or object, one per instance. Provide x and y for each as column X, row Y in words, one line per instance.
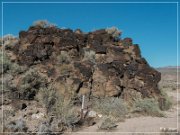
column 108, row 124
column 111, row 106
column 43, row 23
column 31, row 82
column 115, row 32
column 148, row 106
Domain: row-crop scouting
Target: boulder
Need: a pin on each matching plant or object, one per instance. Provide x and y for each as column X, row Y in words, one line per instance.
column 118, row 69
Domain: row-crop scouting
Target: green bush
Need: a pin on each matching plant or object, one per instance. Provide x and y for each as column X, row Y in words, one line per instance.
column 47, row 96
column 62, row 109
column 148, row 106
column 30, row 84
column 10, row 67
column 166, row 102
column 8, row 85
column 65, row 111
column 5, row 63
column 17, row 69
column 111, row 106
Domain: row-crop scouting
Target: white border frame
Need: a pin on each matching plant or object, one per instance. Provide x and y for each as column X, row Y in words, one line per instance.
column 78, row 2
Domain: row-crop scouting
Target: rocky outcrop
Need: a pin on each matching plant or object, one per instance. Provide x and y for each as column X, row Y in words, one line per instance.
column 93, row 63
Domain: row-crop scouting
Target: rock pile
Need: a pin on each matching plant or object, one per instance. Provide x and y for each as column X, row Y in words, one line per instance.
column 95, row 63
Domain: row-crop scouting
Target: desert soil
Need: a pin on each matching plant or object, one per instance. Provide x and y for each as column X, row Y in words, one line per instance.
column 142, row 124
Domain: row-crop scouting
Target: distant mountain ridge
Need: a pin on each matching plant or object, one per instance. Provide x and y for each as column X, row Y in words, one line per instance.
column 168, row 67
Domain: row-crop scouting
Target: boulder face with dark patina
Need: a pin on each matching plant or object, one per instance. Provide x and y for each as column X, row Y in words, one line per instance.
column 114, row 67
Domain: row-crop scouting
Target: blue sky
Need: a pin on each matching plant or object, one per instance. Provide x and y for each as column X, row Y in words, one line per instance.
column 152, row 26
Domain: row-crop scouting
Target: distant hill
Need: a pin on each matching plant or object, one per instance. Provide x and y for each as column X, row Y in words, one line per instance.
column 169, row 74
column 168, row 67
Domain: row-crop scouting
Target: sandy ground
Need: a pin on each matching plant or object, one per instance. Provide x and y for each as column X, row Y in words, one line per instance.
column 141, row 124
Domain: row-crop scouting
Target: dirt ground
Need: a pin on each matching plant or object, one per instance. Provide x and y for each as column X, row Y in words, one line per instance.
column 143, row 124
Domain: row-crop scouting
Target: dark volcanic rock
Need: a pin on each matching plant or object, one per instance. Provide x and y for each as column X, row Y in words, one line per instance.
column 117, row 70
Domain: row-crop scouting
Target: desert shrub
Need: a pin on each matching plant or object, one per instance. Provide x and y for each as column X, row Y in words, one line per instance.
column 63, row 58
column 9, row 41
column 89, row 55
column 78, row 31
column 17, row 69
column 65, row 112
column 5, row 63
column 8, row 37
column 1, row 41
column 30, row 83
column 65, row 69
column 7, row 114
column 114, row 107
column 9, row 73
column 115, row 32
column 43, row 23
column 166, row 102
column 8, row 85
column 62, row 109
column 17, row 126
column 44, row 129
column 8, row 66
column 107, row 124
column 47, row 96
column 148, row 106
